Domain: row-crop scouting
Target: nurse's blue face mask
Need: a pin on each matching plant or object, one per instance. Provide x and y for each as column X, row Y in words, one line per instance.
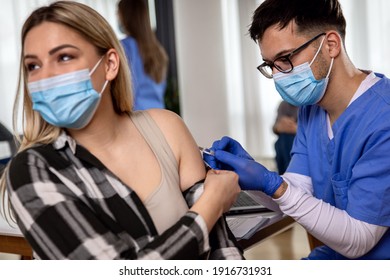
column 297, row 85
column 300, row 87
column 68, row 100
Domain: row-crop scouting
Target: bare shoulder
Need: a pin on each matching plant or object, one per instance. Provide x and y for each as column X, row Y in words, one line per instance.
column 173, row 127
column 163, row 114
column 168, row 121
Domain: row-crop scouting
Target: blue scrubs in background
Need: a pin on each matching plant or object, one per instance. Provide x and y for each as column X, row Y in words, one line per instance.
column 352, row 170
column 147, row 93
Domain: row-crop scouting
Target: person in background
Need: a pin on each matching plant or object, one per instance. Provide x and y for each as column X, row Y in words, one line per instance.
column 337, row 185
column 92, row 178
column 146, row 57
column 285, row 127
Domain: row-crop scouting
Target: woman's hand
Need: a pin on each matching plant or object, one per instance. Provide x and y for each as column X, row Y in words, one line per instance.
column 220, row 191
column 223, row 185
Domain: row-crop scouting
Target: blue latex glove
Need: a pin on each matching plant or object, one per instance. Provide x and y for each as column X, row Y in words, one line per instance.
column 229, row 145
column 230, row 155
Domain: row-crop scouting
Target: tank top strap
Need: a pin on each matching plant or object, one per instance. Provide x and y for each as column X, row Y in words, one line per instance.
column 156, row 140
column 166, row 205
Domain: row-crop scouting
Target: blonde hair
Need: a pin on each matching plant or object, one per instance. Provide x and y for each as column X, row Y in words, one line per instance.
column 134, row 16
column 96, row 30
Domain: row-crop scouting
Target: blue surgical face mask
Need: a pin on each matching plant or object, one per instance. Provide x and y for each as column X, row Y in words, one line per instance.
column 300, row 87
column 68, row 100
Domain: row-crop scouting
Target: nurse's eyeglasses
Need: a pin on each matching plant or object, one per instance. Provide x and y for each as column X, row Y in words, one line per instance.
column 283, row 63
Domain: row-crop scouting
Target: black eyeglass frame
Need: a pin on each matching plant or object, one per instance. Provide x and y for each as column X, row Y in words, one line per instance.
column 285, row 57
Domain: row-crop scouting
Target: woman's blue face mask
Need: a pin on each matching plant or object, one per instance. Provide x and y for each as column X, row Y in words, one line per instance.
column 68, row 100
column 300, row 87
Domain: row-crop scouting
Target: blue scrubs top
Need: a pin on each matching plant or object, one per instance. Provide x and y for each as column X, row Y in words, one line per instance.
column 147, row 93
column 352, row 170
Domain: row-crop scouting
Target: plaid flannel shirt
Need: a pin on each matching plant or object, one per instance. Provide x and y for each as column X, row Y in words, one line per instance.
column 68, row 205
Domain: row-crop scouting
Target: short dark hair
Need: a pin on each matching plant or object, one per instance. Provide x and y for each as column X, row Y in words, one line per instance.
column 310, row 16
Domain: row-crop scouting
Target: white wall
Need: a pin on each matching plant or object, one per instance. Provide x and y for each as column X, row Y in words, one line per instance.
column 220, row 87
column 201, row 68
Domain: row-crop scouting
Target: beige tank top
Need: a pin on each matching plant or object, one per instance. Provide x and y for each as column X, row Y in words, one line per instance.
column 166, row 204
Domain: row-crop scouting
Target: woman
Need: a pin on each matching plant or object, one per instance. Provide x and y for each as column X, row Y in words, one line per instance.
column 147, row 59
column 94, row 180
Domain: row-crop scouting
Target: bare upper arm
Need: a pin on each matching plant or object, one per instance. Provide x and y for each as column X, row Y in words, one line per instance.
column 183, row 145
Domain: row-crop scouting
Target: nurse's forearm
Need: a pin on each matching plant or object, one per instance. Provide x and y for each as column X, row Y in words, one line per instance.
column 334, row 227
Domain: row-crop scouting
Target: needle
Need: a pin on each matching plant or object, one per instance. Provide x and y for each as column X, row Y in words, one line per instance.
column 206, row 151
